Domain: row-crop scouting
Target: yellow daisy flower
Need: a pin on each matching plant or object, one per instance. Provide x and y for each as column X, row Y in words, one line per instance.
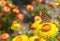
column 47, row 30
column 36, row 23
column 21, row 38
column 16, row 26
column 36, row 38
column 56, row 22
column 58, row 1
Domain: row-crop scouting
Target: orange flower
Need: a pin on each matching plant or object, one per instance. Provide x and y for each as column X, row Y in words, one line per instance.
column 16, row 10
column 38, row 1
column 5, row 36
column 37, row 18
column 30, row 8
column 2, row 3
column 20, row 16
column 6, row 9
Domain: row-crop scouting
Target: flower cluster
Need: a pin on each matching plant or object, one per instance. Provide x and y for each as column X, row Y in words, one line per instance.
column 26, row 38
column 6, row 8
column 47, row 30
column 39, row 29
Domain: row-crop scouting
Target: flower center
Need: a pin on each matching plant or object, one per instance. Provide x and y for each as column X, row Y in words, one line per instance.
column 46, row 27
column 4, row 35
column 37, row 39
column 30, row 8
column 19, row 39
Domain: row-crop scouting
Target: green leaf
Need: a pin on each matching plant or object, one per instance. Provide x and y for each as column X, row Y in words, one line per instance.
column 7, row 22
column 52, row 39
column 9, row 39
column 0, row 10
column 1, row 40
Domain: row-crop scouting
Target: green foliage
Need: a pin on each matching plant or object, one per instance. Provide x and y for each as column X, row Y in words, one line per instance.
column 7, row 22
column 29, row 33
column 0, row 10
column 21, row 2
column 52, row 39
